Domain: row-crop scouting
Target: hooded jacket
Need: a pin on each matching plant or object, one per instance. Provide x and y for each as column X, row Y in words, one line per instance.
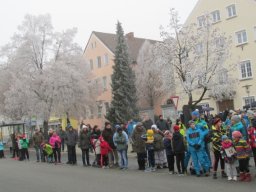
column 238, row 127
column 178, row 143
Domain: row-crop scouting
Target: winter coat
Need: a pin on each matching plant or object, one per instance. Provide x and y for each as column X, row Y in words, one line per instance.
column 137, row 142
column 252, row 137
column 216, row 138
column 55, row 141
column 238, row 127
column 23, row 143
column 242, row 148
column 104, row 147
column 62, row 134
column 195, row 137
column 228, row 151
column 1, row 146
column 178, row 143
column 168, row 146
column 71, row 138
column 107, row 135
column 121, row 141
column 38, row 138
column 158, row 142
column 48, row 149
column 162, row 125
column 84, row 140
column 130, row 128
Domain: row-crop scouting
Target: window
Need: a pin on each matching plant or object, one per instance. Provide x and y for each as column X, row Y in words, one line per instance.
column 201, row 21
column 231, row 11
column 91, row 64
column 91, row 112
column 104, row 83
column 241, row 37
column 223, row 76
column 99, row 109
column 98, row 61
column 215, row 16
column 199, row 48
column 249, row 100
column 106, row 59
column 92, row 45
column 246, row 70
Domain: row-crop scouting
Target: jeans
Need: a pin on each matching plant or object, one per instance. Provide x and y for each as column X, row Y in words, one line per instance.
column 123, row 163
column 72, row 154
column 151, row 158
column 39, row 154
column 85, row 154
column 62, row 144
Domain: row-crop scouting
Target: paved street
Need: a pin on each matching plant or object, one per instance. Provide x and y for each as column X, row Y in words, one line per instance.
column 42, row 177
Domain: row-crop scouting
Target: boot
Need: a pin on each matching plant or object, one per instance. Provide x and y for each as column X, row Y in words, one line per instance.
column 242, row 176
column 248, row 177
column 223, row 174
column 214, row 176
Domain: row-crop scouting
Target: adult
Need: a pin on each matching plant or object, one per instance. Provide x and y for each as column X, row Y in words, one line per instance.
column 15, row 146
column 162, row 124
column 147, row 122
column 236, row 125
column 120, row 139
column 38, row 139
column 85, row 144
column 217, row 132
column 107, row 135
column 71, row 141
column 139, row 145
column 55, row 142
column 62, row 134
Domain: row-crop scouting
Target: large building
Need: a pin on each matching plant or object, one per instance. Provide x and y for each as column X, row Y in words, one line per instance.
column 237, row 19
column 99, row 53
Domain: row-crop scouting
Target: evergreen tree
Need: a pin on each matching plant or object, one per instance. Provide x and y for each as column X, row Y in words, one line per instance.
column 123, row 104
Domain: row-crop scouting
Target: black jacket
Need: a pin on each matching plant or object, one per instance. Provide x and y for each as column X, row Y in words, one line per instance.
column 178, row 143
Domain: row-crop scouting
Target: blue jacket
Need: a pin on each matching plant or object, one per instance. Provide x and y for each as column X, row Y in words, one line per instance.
column 195, row 136
column 1, row 146
column 238, row 127
column 130, row 128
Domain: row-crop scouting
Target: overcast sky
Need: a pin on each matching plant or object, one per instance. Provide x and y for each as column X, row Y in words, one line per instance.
column 143, row 17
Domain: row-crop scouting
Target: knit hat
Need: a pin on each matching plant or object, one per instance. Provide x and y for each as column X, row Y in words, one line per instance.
column 224, row 137
column 236, row 134
column 191, row 122
column 235, row 118
column 176, row 128
column 154, row 127
column 195, row 113
column 84, row 127
column 216, row 120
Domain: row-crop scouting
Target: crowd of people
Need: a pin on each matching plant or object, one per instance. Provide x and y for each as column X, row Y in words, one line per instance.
column 228, row 139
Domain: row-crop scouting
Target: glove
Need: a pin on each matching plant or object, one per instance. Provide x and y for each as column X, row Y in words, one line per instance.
column 197, row 146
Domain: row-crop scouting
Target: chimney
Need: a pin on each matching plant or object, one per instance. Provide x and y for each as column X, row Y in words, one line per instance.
column 130, row 35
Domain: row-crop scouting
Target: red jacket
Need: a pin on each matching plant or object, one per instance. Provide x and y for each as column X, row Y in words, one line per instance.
column 104, row 147
column 252, row 137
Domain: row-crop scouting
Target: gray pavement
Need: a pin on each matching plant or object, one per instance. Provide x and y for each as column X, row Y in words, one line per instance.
column 30, row 176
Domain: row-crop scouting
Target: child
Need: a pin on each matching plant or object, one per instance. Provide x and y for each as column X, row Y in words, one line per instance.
column 169, row 151
column 96, row 146
column 1, row 150
column 47, row 151
column 243, row 155
column 179, row 149
column 24, row 148
column 104, row 150
column 228, row 153
column 149, row 140
column 55, row 142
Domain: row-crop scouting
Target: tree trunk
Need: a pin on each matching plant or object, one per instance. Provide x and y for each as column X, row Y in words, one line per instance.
column 45, row 125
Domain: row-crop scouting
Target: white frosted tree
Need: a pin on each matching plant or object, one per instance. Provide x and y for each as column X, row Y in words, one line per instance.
column 154, row 78
column 197, row 55
column 48, row 72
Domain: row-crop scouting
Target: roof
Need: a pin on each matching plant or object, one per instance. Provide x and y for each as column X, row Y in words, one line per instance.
column 134, row 44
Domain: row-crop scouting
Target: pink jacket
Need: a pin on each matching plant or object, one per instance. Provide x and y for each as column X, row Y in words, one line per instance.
column 55, row 139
